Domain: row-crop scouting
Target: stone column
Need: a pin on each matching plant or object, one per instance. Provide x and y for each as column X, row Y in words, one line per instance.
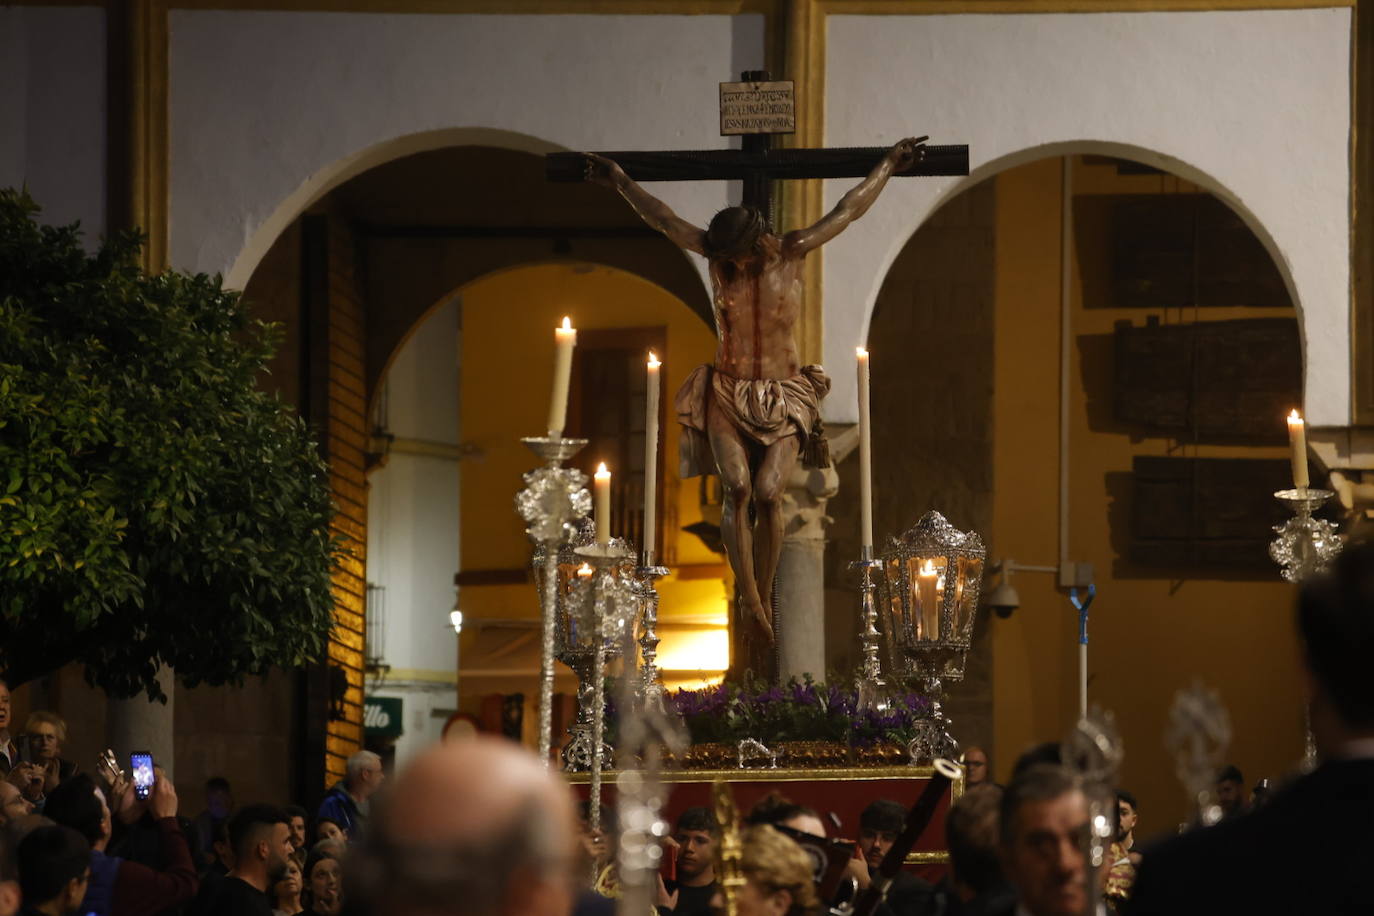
column 140, row 725
column 801, row 572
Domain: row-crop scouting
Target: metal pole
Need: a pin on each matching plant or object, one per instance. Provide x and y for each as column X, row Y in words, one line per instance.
column 550, row 603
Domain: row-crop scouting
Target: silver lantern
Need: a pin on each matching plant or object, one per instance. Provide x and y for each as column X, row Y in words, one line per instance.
column 930, row 581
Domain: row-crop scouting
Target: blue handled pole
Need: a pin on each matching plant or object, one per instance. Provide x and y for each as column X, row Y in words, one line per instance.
column 1082, row 607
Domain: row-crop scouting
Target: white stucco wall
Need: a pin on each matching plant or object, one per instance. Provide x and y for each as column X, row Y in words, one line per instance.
column 263, row 104
column 52, row 111
column 412, row 503
column 413, row 532
column 1254, row 105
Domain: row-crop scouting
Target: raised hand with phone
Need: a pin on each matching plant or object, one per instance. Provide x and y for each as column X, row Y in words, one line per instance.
column 125, row 885
column 141, row 765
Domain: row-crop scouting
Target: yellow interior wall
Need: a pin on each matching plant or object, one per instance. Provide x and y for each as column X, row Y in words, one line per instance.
column 1149, row 637
column 507, row 375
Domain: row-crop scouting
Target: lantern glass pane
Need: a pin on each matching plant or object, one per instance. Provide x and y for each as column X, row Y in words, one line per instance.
column 966, row 594
column 898, row 622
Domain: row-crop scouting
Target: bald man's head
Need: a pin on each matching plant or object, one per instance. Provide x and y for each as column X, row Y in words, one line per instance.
column 476, row 827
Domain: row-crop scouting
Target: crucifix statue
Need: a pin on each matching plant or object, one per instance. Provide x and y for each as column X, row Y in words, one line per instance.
column 749, row 415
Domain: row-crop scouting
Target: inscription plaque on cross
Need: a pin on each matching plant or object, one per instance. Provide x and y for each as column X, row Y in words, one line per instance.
column 755, row 410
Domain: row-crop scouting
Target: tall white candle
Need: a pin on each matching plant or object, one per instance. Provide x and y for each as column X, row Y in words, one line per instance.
column 865, row 453
column 1297, row 438
column 651, row 456
column 930, row 590
column 565, row 338
column 602, row 487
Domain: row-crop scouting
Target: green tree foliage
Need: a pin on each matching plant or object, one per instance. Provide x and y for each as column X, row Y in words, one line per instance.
column 156, row 506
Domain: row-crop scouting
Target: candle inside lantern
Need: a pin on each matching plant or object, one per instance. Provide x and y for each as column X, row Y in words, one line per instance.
column 584, row 575
column 651, row 456
column 1297, row 438
column 565, row 338
column 602, row 487
column 930, row 587
column 865, row 454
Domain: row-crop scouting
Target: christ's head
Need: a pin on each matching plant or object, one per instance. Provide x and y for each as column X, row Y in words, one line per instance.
column 734, row 233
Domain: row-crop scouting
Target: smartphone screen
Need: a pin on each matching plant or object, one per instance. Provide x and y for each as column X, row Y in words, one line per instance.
column 141, row 763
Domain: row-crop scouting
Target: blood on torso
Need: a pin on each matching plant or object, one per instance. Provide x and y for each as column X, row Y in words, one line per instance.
column 757, row 303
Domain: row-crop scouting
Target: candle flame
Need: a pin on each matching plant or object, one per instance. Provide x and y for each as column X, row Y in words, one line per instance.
column 567, row 323
column 861, row 352
column 1294, row 417
column 928, row 568
column 601, row 470
column 584, row 570
column 653, row 360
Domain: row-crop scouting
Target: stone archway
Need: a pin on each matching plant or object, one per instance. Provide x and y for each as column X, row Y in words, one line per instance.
column 1001, row 364
column 1124, row 151
column 353, row 278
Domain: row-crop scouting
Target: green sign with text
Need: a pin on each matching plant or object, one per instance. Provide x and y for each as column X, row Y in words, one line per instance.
column 382, row 716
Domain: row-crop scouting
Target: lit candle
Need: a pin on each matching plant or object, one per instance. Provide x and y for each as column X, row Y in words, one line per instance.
column 565, row 338
column 603, row 504
column 651, row 457
column 930, row 591
column 1297, row 438
column 865, row 454
column 584, row 575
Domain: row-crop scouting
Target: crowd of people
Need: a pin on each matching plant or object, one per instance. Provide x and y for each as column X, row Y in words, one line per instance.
column 481, row 827
column 73, row 843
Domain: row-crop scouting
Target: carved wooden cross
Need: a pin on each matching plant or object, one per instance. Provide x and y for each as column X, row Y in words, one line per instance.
column 756, row 109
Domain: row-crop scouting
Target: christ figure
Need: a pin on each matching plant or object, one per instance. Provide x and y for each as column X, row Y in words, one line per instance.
column 756, row 407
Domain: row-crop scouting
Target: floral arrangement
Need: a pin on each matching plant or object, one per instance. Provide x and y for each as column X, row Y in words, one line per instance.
column 805, row 711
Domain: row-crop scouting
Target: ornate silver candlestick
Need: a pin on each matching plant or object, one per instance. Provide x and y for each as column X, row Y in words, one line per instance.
column 554, row 496
column 1093, row 752
column 605, row 602
column 871, row 687
column 579, row 628
column 650, row 682
column 1198, row 735
column 1304, row 545
column 646, row 728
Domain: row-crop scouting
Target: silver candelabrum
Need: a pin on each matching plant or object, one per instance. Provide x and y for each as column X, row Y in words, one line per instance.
column 553, row 499
column 647, row 727
column 870, row 685
column 601, row 608
column 1304, row 545
column 593, row 600
column 1093, row 753
column 1198, row 736
column 650, row 682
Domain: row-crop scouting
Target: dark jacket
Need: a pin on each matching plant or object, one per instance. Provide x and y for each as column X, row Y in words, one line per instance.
column 340, row 808
column 138, row 890
column 1307, row 851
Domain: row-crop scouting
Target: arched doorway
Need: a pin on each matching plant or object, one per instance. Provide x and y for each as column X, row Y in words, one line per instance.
column 404, row 290
column 1098, row 350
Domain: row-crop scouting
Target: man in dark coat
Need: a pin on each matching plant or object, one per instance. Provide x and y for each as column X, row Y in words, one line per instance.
column 1309, row 850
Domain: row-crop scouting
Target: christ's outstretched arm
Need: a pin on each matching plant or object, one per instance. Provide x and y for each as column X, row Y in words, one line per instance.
column 855, row 202
column 654, row 212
